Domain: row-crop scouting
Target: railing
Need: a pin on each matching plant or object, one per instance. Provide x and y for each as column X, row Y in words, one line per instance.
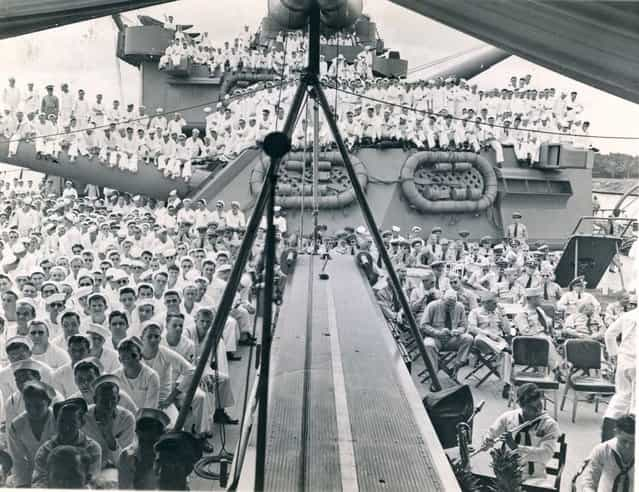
column 610, row 223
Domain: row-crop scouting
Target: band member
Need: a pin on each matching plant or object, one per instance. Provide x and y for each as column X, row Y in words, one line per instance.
column 611, row 464
column 535, row 443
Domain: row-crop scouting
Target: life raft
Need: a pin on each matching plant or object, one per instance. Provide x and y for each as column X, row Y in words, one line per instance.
column 337, row 193
column 462, row 182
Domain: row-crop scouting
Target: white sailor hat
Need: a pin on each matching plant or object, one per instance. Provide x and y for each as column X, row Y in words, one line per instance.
column 97, row 295
column 28, row 364
column 416, row 230
column 149, row 323
column 98, row 330
column 207, row 109
column 159, row 110
column 395, row 228
column 55, row 298
column 19, row 340
column 235, row 203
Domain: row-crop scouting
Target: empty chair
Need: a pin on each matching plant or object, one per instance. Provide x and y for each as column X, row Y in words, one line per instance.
column 584, row 356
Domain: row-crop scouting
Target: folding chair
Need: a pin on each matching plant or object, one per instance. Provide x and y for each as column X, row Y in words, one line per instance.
column 552, row 481
column 446, row 358
column 485, row 360
column 532, row 353
column 585, row 356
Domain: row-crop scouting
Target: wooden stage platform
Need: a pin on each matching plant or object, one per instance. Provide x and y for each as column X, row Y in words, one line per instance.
column 344, row 413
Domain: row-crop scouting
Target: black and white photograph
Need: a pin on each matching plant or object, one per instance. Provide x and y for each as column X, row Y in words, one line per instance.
column 319, row 245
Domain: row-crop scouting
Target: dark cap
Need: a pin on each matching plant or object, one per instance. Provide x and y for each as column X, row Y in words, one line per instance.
column 526, row 393
column 39, row 388
column 580, row 280
column 72, row 403
column 180, row 444
column 152, row 414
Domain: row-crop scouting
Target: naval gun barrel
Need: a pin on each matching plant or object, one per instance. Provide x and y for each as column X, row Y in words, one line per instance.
column 466, row 66
column 335, row 14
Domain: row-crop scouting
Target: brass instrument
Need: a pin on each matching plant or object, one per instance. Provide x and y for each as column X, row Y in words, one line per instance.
column 513, row 431
column 464, row 437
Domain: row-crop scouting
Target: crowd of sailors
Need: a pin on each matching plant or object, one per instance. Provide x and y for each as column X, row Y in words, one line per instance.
column 446, row 114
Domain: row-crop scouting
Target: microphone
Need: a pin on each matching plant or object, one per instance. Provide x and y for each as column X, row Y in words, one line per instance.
column 323, row 275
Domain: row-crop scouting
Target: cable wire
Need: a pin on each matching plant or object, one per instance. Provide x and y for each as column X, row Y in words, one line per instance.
column 457, row 118
column 279, row 97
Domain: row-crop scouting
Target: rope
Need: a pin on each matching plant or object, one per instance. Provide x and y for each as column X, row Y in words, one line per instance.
column 279, row 97
column 426, row 112
column 336, row 74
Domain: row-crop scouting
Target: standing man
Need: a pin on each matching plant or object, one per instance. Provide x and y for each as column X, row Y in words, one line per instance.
column 624, row 355
column 517, row 230
column 11, row 96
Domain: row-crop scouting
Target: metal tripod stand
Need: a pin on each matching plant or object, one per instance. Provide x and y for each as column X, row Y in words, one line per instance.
column 276, row 146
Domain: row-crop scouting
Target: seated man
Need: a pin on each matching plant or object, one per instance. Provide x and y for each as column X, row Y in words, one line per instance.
column 68, row 467
column 137, row 379
column 532, row 321
column 30, row 430
column 135, row 464
column 612, row 463
column 70, row 418
column 568, row 302
column 444, row 326
column 109, row 424
column 176, row 455
column 24, row 371
column 423, row 294
column 488, row 324
column 584, row 323
column 172, row 368
column 535, row 443
column 85, row 373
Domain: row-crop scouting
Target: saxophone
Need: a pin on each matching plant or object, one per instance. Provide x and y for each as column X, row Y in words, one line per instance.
column 464, row 438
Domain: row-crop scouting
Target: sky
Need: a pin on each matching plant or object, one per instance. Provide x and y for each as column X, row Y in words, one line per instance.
column 84, row 55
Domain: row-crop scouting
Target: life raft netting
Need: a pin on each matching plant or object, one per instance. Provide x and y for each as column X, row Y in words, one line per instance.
column 442, row 181
column 448, row 182
column 295, row 180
